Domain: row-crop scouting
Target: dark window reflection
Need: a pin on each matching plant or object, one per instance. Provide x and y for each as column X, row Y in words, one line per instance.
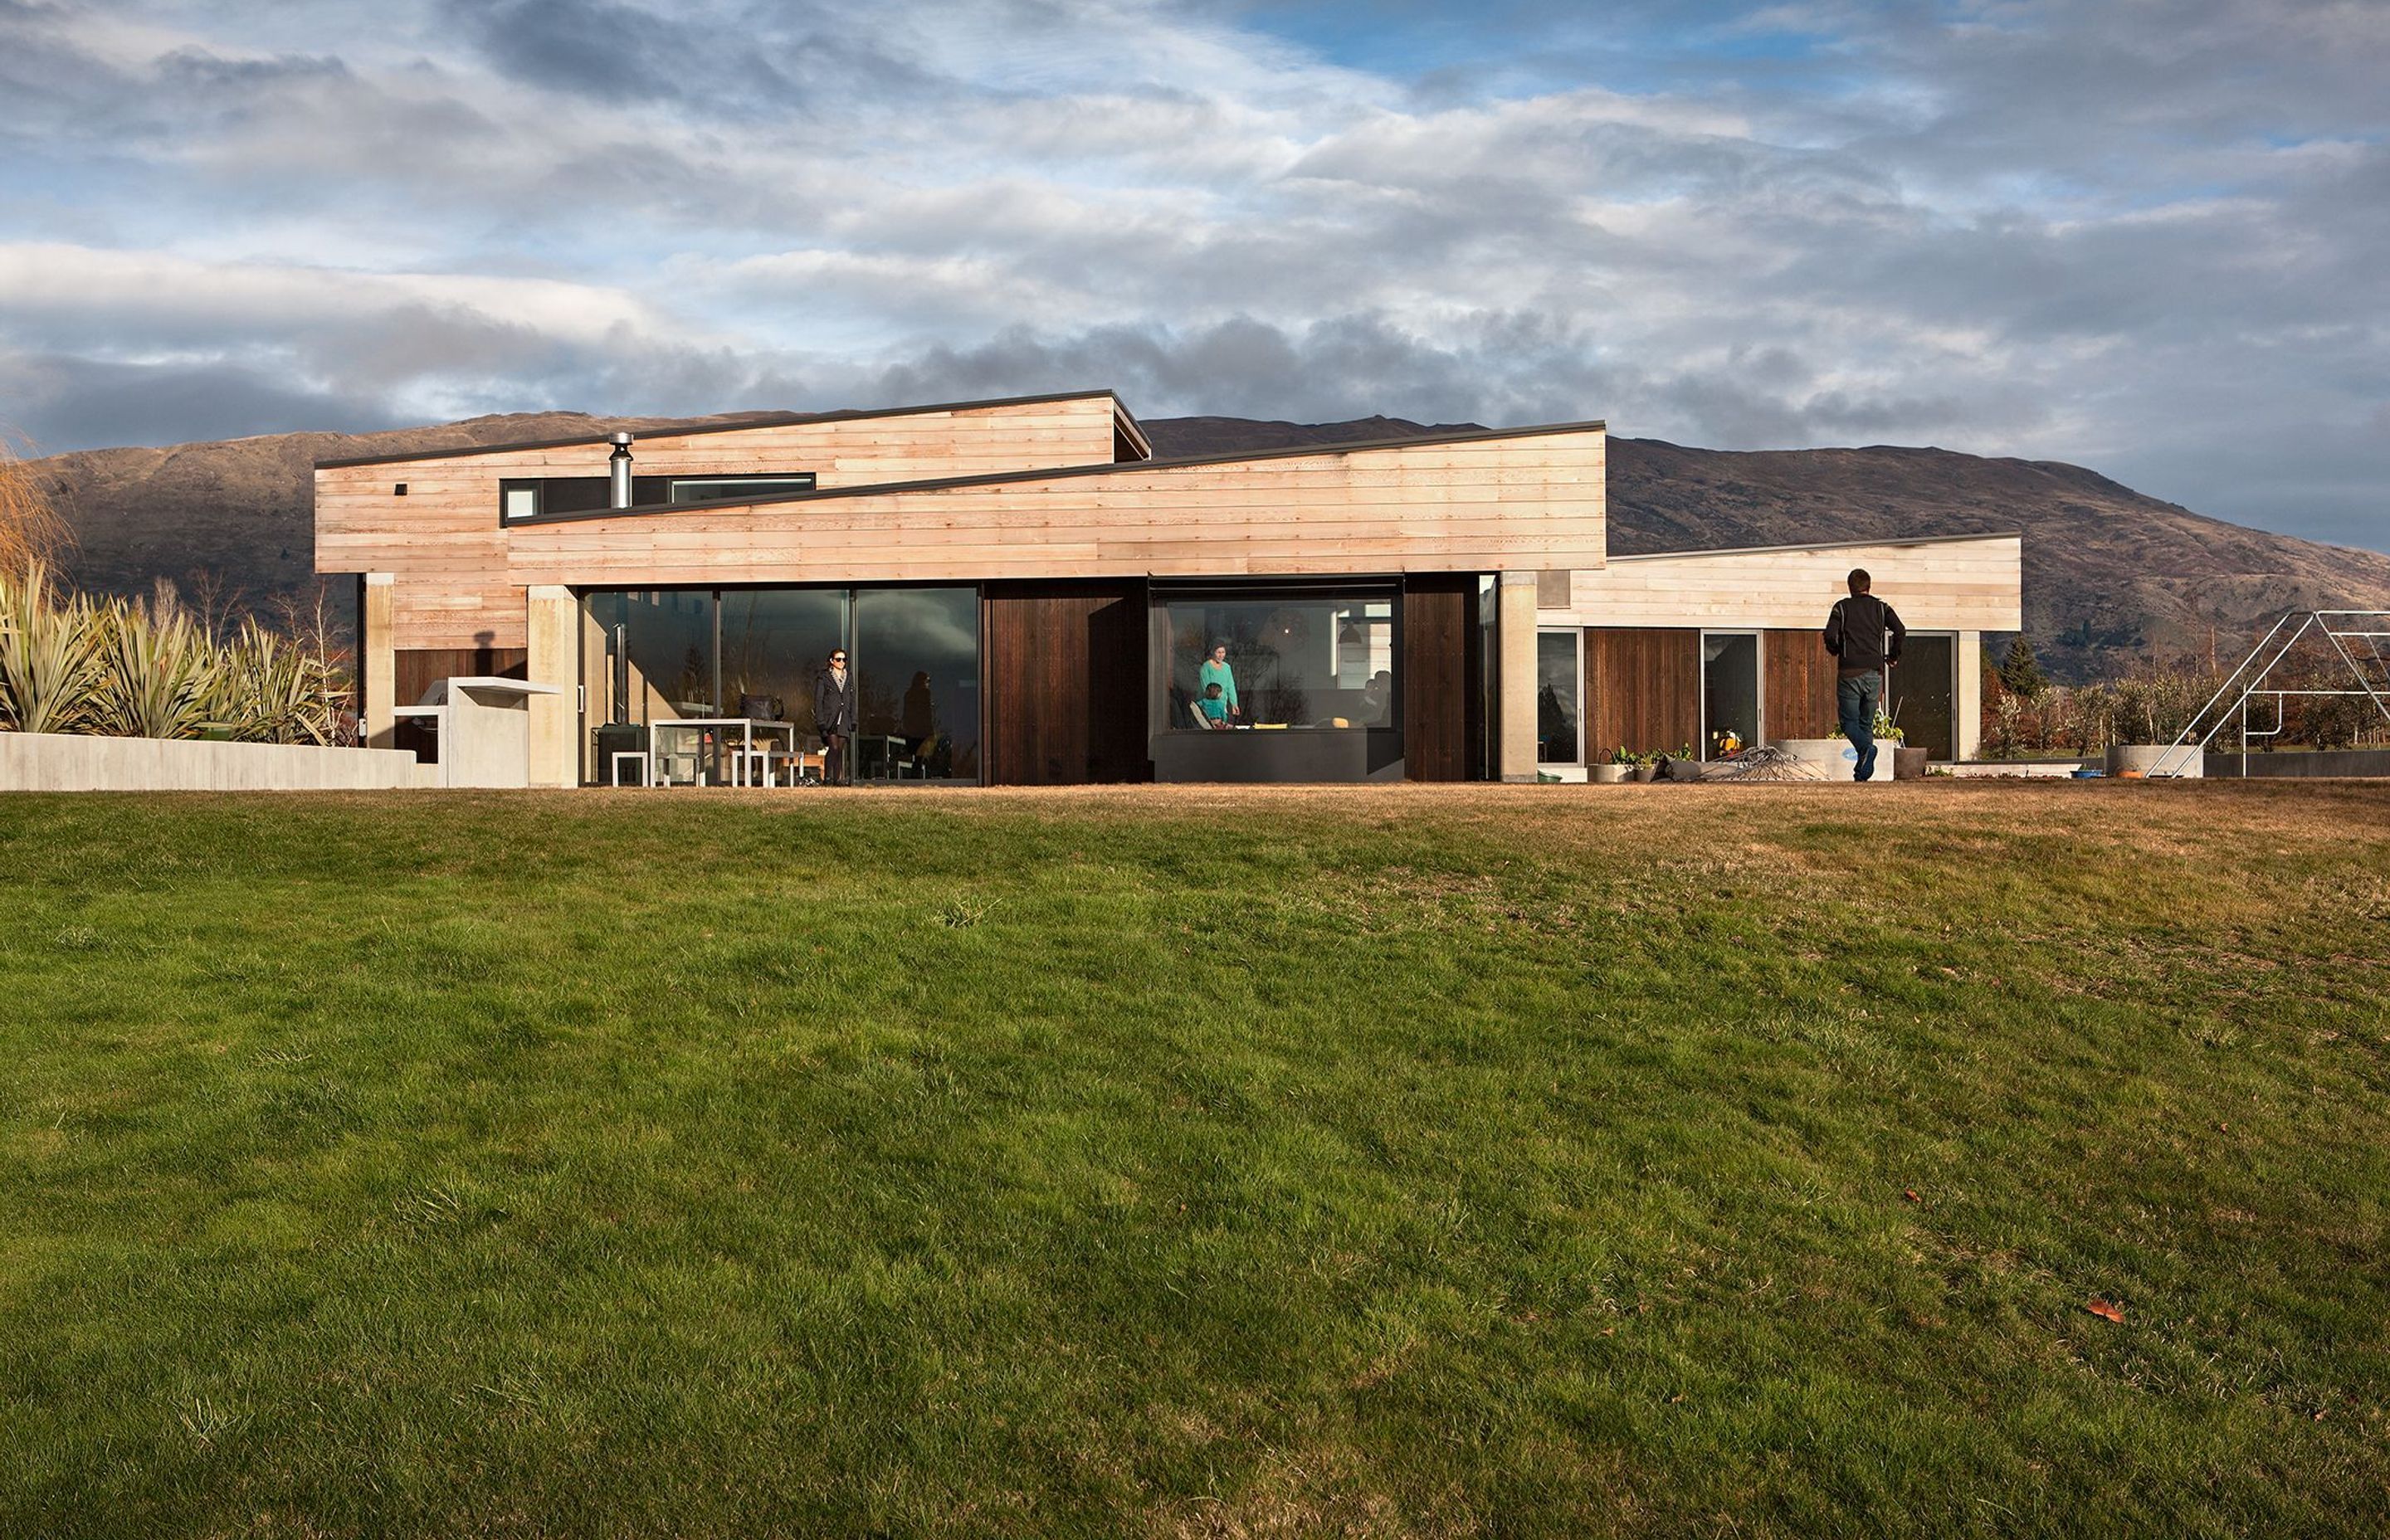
column 917, row 674
column 1922, row 694
column 774, row 641
column 1556, row 689
column 1730, row 691
column 659, row 648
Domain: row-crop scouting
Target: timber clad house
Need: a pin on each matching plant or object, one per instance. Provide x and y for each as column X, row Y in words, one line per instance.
column 1028, row 595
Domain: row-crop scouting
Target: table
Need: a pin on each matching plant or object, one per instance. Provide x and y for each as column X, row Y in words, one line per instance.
column 749, row 729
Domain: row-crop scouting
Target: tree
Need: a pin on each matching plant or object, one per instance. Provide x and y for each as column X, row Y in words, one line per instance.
column 2021, row 671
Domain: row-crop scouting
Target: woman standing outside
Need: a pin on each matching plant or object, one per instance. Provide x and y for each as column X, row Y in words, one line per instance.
column 834, row 718
column 1216, row 671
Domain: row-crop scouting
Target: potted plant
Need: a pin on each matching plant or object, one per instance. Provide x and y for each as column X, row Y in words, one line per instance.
column 1841, row 758
column 1647, row 767
column 1620, row 765
column 1908, row 763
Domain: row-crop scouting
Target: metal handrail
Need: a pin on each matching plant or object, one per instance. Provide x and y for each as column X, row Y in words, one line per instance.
column 2168, row 764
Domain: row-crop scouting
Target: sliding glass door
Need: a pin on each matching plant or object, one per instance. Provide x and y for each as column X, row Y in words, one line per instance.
column 1924, row 690
column 1730, row 690
column 774, row 641
column 664, row 655
column 1559, row 725
column 917, row 667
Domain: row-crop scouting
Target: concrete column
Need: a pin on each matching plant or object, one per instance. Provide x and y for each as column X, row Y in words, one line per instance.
column 1967, row 710
column 554, row 644
column 1514, row 632
column 377, row 659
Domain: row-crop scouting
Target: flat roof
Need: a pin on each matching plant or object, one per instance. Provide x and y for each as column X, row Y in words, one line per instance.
column 1816, row 545
column 759, row 419
column 1056, row 473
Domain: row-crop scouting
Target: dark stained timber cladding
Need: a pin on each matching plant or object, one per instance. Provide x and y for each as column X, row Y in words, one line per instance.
column 1066, row 682
column 1439, row 643
column 1799, row 674
column 1642, row 688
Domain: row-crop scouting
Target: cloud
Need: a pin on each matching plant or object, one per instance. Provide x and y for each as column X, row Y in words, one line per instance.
column 62, row 402
column 2143, row 237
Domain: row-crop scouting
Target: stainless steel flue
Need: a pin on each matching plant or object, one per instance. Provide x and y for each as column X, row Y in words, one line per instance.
column 617, row 471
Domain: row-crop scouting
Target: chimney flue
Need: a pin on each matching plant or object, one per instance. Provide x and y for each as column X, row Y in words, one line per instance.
column 617, row 471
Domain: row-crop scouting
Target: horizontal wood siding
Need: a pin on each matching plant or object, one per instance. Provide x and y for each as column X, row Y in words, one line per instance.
column 1642, row 689
column 1487, row 506
column 1439, row 649
column 1799, row 678
column 1065, row 670
column 443, row 544
column 1974, row 585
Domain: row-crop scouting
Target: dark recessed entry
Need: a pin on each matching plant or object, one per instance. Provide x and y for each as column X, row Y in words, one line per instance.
column 399, row 491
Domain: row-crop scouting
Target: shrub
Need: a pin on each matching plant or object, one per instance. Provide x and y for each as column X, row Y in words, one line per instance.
column 51, row 662
column 159, row 673
column 150, row 669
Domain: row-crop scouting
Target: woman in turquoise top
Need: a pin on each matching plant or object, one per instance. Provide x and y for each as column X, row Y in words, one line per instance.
column 1216, row 671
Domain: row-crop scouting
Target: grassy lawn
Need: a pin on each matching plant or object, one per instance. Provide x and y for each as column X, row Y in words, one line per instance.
column 1505, row 1160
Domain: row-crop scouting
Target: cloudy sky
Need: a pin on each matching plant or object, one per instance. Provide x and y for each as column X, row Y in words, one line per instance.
column 2148, row 236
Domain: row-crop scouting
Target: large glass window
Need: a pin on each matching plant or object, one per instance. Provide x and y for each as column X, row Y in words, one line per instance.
column 1293, row 659
column 774, row 641
column 1729, row 689
column 656, row 655
column 733, row 489
column 1924, row 684
column 917, row 672
column 659, row 649
column 1559, row 725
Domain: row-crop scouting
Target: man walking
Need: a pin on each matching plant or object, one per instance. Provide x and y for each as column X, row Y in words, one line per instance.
column 1865, row 636
column 834, row 718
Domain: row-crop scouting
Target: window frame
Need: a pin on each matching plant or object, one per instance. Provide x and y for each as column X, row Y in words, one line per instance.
column 786, row 481
column 1758, row 687
column 1576, row 632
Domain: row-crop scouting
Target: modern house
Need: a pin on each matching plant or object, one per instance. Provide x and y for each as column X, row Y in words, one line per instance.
column 1028, row 595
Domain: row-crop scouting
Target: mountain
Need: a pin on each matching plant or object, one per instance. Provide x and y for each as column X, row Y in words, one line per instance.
column 2108, row 572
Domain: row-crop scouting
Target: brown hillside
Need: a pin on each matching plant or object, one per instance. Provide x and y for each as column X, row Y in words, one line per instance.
column 2108, row 571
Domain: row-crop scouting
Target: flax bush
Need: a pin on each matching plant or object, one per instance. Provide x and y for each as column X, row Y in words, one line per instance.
column 51, row 660
column 69, row 664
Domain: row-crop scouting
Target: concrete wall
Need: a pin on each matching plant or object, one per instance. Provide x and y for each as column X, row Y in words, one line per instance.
column 55, row 761
column 2330, row 762
column 554, row 629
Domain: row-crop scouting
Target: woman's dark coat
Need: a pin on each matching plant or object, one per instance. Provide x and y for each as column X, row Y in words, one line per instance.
column 833, row 706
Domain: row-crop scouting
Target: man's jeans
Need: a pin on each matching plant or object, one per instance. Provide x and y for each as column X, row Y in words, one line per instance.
column 1856, row 698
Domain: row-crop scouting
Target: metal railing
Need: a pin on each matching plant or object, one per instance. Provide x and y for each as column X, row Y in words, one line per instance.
column 2248, row 682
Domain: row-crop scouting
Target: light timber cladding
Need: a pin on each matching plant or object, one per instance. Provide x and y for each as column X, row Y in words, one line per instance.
column 443, row 545
column 1525, row 502
column 1965, row 584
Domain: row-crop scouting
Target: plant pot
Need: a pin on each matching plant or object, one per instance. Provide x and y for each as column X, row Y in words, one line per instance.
column 1610, row 775
column 1909, row 765
column 1646, row 774
column 1833, row 757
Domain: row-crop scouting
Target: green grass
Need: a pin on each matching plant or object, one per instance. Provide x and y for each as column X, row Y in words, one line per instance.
column 1500, row 1161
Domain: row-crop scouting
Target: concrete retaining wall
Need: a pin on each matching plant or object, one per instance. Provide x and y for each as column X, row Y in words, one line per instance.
column 2330, row 762
column 2127, row 759
column 57, row 761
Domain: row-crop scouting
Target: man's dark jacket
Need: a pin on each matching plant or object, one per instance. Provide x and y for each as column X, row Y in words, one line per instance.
column 833, row 703
column 1855, row 633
